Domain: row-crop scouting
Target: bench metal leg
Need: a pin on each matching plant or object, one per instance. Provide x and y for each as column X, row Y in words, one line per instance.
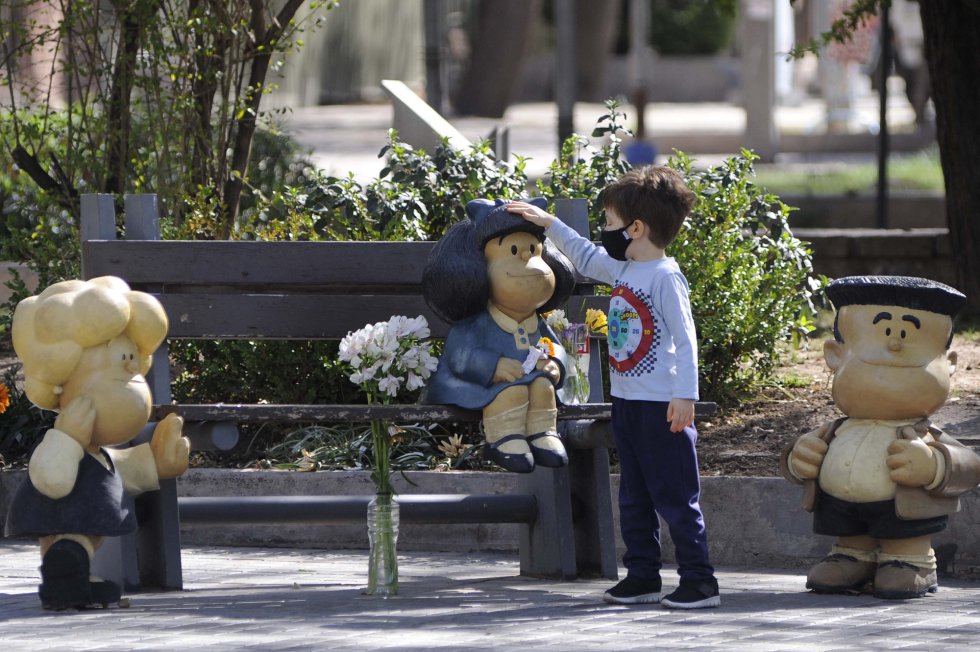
column 150, row 557
column 158, row 538
column 548, row 545
column 116, row 561
column 595, row 535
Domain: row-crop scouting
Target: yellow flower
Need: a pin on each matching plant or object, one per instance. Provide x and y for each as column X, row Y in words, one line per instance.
column 4, row 398
column 596, row 320
column 546, row 345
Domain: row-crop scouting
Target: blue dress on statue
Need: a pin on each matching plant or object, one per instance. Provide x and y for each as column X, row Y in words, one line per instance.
column 473, row 347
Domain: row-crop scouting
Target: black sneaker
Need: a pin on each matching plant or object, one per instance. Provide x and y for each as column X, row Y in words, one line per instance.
column 696, row 594
column 634, row 590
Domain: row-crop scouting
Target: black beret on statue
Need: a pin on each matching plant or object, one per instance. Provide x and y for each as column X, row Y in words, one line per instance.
column 904, row 291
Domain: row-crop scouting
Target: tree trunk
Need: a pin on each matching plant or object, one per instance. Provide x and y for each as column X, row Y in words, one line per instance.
column 118, row 110
column 245, row 127
column 500, row 47
column 208, row 62
column 596, row 22
column 952, row 41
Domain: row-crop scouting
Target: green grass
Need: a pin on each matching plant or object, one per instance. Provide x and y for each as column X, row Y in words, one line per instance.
column 918, row 171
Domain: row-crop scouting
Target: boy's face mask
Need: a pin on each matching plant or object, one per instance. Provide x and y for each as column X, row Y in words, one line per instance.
column 616, row 242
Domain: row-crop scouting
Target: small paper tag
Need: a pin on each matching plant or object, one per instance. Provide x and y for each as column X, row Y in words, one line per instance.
column 533, row 355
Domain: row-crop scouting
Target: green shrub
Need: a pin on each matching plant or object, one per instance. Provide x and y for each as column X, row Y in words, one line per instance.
column 21, row 424
column 417, row 196
column 681, row 27
column 752, row 282
column 582, row 170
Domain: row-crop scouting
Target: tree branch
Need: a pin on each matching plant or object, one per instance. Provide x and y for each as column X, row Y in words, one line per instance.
column 265, row 41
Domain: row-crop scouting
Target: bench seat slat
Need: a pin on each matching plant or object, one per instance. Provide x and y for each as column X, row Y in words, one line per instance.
column 269, row 413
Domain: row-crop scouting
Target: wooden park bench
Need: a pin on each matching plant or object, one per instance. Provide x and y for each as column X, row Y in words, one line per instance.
column 219, row 290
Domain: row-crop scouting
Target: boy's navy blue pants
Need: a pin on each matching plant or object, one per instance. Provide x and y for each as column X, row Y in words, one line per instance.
column 658, row 474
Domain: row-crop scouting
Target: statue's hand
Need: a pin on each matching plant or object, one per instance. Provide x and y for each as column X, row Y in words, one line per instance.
column 912, row 462
column 77, row 420
column 170, row 450
column 508, row 370
column 808, row 454
column 550, row 368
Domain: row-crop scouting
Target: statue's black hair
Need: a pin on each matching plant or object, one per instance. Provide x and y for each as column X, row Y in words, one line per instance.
column 455, row 283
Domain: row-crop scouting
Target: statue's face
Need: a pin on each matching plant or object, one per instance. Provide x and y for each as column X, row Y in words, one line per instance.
column 892, row 363
column 109, row 375
column 520, row 279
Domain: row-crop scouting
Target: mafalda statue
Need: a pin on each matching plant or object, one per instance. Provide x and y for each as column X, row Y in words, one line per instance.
column 883, row 479
column 85, row 347
column 491, row 276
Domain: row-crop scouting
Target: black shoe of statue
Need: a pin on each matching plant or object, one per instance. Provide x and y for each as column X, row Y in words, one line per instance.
column 65, row 582
column 514, row 462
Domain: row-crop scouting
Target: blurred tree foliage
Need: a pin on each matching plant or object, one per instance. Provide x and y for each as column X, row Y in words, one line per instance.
column 157, row 96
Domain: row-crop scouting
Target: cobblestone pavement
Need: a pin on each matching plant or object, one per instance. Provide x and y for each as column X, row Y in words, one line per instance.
column 289, row 599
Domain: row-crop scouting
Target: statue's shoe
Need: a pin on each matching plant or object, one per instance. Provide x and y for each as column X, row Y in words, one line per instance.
column 65, row 581
column 899, row 580
column 522, row 462
column 840, row 573
column 550, row 457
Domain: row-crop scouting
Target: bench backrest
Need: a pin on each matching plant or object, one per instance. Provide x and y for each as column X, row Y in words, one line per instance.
column 275, row 290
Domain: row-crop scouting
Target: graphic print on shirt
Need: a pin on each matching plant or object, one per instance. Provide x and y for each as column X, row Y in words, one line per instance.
column 633, row 332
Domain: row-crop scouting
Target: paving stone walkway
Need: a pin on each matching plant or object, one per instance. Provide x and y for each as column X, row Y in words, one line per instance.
column 291, row 599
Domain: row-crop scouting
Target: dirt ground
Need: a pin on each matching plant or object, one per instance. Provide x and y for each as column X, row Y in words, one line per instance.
column 746, row 440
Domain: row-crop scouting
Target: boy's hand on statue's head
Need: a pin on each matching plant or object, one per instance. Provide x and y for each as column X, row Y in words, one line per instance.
column 507, row 371
column 807, row 456
column 170, row 450
column 77, row 420
column 531, row 213
column 912, row 462
column 680, row 413
column 550, row 368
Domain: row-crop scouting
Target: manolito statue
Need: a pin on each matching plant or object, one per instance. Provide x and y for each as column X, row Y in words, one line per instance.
column 882, row 479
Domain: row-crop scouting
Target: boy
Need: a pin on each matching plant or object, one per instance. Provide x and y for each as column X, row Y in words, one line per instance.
column 653, row 378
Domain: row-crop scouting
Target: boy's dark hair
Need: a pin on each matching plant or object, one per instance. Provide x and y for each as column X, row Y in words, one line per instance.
column 455, row 283
column 656, row 195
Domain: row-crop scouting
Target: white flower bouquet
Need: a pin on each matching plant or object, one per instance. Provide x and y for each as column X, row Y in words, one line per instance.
column 383, row 358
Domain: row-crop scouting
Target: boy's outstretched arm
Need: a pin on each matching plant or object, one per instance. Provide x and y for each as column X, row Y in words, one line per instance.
column 531, row 213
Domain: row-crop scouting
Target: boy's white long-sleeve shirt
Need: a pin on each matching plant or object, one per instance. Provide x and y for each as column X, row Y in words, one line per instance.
column 653, row 352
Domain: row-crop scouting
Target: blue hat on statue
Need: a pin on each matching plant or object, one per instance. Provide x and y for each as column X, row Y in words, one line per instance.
column 492, row 220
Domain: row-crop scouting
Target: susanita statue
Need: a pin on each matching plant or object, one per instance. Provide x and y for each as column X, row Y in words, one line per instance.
column 85, row 347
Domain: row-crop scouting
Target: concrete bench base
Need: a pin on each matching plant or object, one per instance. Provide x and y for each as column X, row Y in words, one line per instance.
column 767, row 529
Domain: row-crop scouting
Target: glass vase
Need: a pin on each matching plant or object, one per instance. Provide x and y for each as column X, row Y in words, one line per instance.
column 576, row 389
column 382, row 526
